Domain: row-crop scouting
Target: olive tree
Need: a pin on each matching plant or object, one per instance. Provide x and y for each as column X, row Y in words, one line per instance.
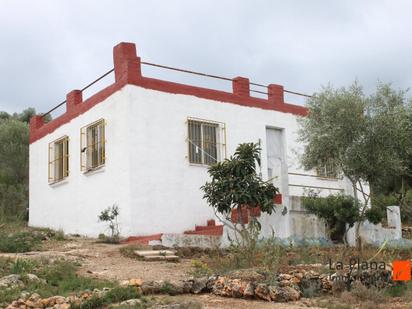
column 14, row 154
column 364, row 137
column 14, row 163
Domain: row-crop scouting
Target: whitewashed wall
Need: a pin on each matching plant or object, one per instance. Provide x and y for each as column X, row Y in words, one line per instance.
column 165, row 192
column 376, row 234
column 74, row 204
column 147, row 172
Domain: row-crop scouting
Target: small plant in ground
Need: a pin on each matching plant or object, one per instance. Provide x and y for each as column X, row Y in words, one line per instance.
column 110, row 215
column 270, row 254
column 200, row 269
column 59, row 235
column 22, row 266
column 116, row 295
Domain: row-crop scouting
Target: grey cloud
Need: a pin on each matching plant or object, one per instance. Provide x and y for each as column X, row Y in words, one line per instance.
column 50, row 47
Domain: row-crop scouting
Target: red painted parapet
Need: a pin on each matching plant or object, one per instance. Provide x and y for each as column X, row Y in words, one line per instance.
column 73, row 99
column 36, row 122
column 275, row 94
column 127, row 67
column 241, row 86
column 127, row 70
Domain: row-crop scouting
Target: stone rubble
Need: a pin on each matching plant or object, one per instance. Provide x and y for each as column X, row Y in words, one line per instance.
column 249, row 285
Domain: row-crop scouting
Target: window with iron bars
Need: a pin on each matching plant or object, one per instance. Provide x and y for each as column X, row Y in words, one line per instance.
column 92, row 140
column 327, row 170
column 58, row 159
column 204, row 141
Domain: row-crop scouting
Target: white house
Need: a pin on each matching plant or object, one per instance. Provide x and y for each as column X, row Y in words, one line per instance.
column 145, row 145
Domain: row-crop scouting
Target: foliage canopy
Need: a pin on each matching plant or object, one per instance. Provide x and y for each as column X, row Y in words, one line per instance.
column 235, row 182
column 14, row 163
column 366, row 137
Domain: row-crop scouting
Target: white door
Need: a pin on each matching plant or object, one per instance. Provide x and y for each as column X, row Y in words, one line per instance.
column 275, row 156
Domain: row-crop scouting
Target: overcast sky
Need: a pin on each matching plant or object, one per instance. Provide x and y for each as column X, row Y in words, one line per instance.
column 50, row 47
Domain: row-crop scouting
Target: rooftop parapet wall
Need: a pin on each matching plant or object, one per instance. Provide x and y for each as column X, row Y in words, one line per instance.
column 127, row 71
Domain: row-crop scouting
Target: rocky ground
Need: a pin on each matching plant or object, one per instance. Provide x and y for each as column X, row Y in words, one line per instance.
column 105, row 261
column 236, row 290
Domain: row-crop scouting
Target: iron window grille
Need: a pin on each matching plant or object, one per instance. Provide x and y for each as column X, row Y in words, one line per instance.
column 92, row 146
column 206, row 141
column 58, row 167
column 327, row 170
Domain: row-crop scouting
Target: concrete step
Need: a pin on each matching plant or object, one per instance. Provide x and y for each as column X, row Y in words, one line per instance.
column 154, row 253
column 168, row 258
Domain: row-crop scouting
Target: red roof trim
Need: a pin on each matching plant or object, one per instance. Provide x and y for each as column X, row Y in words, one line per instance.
column 217, row 95
column 127, row 71
column 47, row 128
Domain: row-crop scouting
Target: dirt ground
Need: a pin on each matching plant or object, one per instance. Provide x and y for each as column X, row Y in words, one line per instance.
column 106, row 262
column 215, row 302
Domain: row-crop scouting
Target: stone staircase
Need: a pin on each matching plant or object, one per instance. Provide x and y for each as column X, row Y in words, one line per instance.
column 208, row 235
column 157, row 255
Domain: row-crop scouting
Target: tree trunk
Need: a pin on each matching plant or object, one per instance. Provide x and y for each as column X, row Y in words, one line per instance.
column 345, row 237
column 358, row 223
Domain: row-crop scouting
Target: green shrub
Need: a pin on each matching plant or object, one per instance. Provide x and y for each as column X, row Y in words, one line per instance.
column 375, row 214
column 200, row 269
column 59, row 235
column 336, row 210
column 22, row 266
column 19, row 242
